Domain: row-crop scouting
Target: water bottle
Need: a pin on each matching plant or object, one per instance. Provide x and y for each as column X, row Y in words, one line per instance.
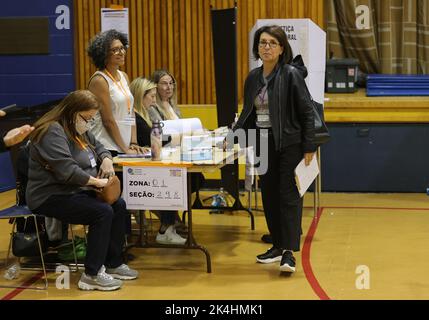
column 156, row 140
column 222, row 198
column 12, row 272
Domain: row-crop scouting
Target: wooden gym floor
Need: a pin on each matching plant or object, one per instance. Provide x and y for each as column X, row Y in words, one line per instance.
column 359, row 246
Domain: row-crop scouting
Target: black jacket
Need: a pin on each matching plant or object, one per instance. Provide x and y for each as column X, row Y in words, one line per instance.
column 291, row 111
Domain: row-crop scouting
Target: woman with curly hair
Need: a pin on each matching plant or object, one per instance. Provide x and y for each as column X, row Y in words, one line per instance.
column 114, row 126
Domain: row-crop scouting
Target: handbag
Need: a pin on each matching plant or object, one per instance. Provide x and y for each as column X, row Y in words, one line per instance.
column 25, row 242
column 321, row 132
column 111, row 191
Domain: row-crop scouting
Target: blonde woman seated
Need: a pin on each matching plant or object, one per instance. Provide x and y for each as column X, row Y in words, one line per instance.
column 144, row 92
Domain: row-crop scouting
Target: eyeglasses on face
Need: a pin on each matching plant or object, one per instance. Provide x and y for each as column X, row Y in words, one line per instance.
column 165, row 84
column 271, row 44
column 84, row 119
column 118, row 50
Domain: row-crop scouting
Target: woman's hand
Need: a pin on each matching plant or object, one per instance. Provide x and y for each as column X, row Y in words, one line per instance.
column 308, row 158
column 131, row 151
column 137, row 148
column 145, row 150
column 106, row 169
column 98, row 183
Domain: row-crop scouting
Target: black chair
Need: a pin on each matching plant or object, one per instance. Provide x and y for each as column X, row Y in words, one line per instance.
column 20, row 210
column 15, row 212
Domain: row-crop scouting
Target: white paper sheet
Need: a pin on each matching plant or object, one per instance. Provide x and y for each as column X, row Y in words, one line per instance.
column 115, row 19
column 182, row 126
column 304, row 176
column 177, row 128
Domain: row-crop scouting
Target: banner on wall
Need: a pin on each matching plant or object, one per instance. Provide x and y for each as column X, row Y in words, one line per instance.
column 115, row 19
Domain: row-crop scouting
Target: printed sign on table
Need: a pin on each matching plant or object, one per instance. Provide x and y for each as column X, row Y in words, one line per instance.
column 155, row 188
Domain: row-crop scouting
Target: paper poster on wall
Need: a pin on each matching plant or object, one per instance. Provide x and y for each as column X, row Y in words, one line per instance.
column 155, row 188
column 114, row 19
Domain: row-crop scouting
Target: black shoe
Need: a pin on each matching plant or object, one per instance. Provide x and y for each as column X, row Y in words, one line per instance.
column 267, row 238
column 272, row 255
column 288, row 262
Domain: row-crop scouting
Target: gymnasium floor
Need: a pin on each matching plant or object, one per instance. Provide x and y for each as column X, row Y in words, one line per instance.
column 360, row 246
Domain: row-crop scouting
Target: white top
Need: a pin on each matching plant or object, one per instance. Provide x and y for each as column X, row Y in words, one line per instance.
column 122, row 113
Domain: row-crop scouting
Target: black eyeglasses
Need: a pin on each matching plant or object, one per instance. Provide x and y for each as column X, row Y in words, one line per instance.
column 86, row 120
column 271, row 44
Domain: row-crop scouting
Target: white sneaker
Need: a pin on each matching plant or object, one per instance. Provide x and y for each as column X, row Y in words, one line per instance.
column 170, row 237
column 123, row 272
column 102, row 281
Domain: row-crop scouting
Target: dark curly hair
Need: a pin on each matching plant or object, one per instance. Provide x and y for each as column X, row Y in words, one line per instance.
column 99, row 46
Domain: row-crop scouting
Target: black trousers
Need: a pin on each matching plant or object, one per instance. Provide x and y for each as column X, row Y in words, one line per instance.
column 280, row 197
column 106, row 232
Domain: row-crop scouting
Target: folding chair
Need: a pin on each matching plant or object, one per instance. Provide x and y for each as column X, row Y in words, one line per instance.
column 23, row 212
column 20, row 210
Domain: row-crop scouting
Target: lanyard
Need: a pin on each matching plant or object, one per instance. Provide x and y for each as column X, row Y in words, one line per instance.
column 119, row 85
column 81, row 143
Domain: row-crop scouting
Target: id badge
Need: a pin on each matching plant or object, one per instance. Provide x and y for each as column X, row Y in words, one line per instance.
column 92, row 160
column 263, row 118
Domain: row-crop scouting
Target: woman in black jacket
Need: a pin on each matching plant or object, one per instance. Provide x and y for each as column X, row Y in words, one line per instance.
column 277, row 105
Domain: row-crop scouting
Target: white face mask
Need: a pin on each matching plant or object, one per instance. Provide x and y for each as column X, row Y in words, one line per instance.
column 81, row 125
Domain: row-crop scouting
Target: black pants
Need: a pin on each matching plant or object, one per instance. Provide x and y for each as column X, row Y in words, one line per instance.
column 280, row 197
column 106, row 223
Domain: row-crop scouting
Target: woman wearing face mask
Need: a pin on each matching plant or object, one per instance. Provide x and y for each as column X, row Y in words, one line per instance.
column 61, row 180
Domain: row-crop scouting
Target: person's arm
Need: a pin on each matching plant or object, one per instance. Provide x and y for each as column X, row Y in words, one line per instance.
column 100, row 88
column 106, row 169
column 17, row 135
column 53, row 149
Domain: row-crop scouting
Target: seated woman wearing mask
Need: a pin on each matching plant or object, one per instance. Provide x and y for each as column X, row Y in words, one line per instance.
column 62, row 176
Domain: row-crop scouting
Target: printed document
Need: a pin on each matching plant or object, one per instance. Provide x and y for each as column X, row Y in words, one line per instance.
column 304, row 176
